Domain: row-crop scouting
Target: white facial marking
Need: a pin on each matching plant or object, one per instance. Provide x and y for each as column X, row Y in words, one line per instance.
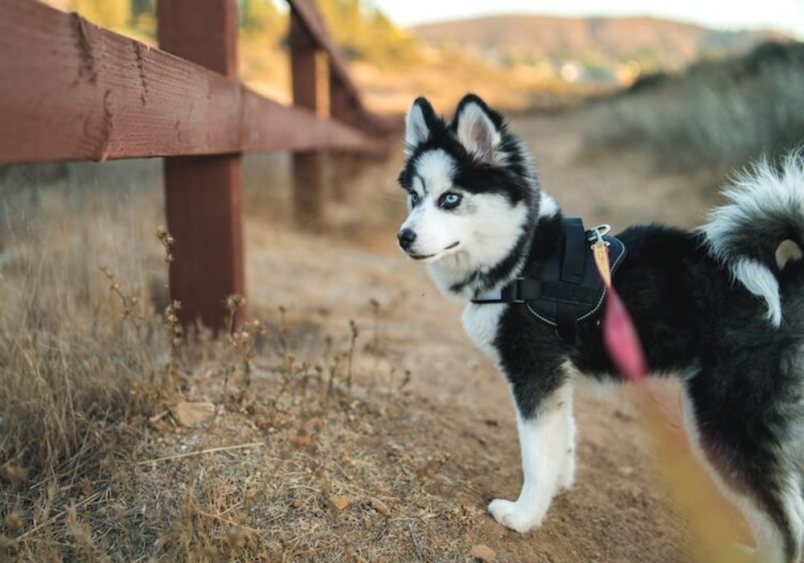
column 436, row 231
column 418, row 186
column 487, row 235
column 435, row 169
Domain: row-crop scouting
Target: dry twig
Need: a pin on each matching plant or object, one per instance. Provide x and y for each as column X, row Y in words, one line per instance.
column 201, row 452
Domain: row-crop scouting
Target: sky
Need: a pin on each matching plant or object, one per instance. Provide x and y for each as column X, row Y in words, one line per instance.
column 783, row 15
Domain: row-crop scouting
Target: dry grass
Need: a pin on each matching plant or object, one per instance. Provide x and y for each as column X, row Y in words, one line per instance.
column 295, row 464
column 108, row 475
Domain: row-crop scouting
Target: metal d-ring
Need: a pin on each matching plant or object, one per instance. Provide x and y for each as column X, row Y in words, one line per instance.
column 596, row 234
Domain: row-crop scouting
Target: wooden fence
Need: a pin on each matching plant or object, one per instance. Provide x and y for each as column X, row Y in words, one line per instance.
column 72, row 91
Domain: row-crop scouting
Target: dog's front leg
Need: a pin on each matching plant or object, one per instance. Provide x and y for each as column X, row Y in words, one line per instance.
column 546, row 439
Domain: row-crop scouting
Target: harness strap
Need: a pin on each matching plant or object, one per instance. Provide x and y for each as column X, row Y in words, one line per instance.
column 574, row 259
column 572, row 272
column 567, row 322
column 569, row 289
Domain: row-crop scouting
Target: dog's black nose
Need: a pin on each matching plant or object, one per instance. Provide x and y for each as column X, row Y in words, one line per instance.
column 406, row 238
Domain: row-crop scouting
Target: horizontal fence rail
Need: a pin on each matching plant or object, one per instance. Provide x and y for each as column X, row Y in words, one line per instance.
column 71, row 90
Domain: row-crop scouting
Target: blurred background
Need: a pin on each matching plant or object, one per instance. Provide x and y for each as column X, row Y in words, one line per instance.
column 518, row 55
column 628, row 111
column 635, row 112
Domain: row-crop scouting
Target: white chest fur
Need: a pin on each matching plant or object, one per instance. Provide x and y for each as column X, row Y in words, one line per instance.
column 481, row 323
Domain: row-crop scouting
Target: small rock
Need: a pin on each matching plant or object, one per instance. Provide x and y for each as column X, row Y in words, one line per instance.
column 14, row 473
column 14, row 521
column 353, row 555
column 189, row 413
column 624, row 416
column 264, row 423
column 275, row 550
column 340, row 502
column 379, row 506
column 300, row 440
column 483, row 552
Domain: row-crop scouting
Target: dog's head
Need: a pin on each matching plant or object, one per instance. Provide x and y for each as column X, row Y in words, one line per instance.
column 471, row 187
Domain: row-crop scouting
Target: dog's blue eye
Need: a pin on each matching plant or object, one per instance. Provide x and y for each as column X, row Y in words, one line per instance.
column 449, row 200
column 414, row 198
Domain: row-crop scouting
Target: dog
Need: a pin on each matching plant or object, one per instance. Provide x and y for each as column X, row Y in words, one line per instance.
column 721, row 306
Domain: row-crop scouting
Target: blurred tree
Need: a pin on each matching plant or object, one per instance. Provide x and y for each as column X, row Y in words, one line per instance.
column 143, row 17
column 261, row 18
column 361, row 30
column 114, row 14
column 139, row 7
column 345, row 24
column 364, row 33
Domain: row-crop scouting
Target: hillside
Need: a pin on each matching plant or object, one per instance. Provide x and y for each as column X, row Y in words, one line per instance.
column 716, row 114
column 514, row 62
column 654, row 43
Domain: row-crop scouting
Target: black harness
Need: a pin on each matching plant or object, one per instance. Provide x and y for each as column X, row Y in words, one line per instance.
column 569, row 290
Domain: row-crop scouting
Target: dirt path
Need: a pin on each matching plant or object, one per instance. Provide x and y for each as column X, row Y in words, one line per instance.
column 618, row 510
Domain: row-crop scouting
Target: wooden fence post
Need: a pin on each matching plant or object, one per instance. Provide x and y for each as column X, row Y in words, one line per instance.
column 344, row 107
column 308, row 166
column 203, row 193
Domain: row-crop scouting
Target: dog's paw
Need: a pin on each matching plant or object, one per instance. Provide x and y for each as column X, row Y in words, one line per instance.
column 567, row 482
column 514, row 515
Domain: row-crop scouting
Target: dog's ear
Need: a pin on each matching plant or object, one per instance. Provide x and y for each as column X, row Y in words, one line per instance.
column 478, row 128
column 419, row 123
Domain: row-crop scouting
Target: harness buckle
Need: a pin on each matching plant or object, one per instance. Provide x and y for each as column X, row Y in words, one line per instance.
column 521, row 290
column 511, row 293
column 595, row 234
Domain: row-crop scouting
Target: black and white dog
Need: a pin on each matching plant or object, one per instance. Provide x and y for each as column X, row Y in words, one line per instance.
column 723, row 306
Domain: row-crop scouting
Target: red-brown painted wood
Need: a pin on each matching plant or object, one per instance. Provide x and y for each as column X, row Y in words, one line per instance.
column 74, row 91
column 202, row 32
column 308, row 166
column 203, row 201
column 203, row 194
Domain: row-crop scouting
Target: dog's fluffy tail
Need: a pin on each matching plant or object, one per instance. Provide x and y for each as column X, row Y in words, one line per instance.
column 766, row 209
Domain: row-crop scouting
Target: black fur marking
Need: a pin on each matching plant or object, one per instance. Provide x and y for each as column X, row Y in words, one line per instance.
column 424, row 183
